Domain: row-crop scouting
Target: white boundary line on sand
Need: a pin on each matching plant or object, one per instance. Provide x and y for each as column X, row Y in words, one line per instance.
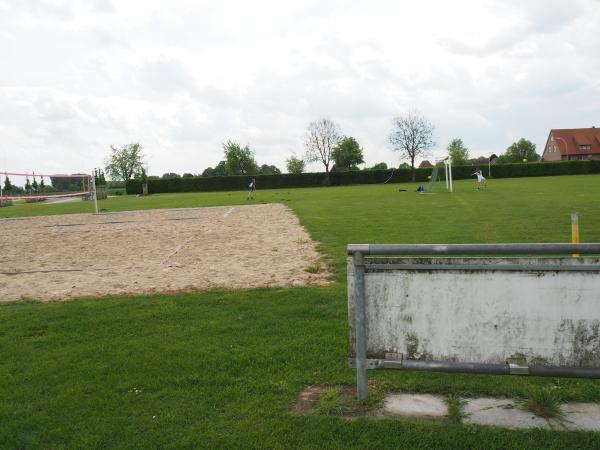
column 188, row 240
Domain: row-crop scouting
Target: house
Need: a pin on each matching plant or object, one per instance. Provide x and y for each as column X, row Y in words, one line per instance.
column 425, row 164
column 576, row 143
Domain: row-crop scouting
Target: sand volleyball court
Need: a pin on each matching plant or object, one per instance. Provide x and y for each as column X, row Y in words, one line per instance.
column 77, row 255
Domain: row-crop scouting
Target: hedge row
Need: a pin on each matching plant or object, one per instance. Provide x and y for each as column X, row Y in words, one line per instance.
column 236, row 183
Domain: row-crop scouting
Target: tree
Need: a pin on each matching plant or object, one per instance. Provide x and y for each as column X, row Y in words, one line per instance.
column 170, row 176
column 404, row 165
column 322, row 137
column 239, row 160
column 220, row 170
column 8, row 187
column 380, row 166
column 99, row 177
column 412, row 136
column 458, row 152
column 188, row 175
column 347, row 154
column 125, row 162
column 27, row 186
column 520, row 151
column 265, row 169
column 294, row 165
column 142, row 176
column 34, row 186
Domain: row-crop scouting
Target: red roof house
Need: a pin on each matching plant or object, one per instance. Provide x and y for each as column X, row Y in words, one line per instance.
column 576, row 143
column 425, row 164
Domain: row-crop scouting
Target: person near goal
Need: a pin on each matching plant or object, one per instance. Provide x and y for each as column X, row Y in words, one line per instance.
column 251, row 189
column 481, row 181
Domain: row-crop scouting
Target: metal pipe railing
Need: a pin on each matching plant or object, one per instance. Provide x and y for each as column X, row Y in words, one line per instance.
column 359, row 251
column 475, row 249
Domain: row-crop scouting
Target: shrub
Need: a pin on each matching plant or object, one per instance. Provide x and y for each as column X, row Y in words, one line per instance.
column 289, row 180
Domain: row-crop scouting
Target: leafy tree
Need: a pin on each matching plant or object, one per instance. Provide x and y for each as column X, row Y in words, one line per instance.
column 347, row 154
column 170, row 176
column 8, row 186
column 322, row 137
column 34, row 186
column 27, row 185
column 458, row 152
column 266, row 169
column 188, row 175
column 220, row 170
column 239, row 160
column 99, row 177
column 519, row 151
column 125, row 162
column 412, row 136
column 142, row 176
column 404, row 165
column 294, row 164
column 153, row 177
column 380, row 166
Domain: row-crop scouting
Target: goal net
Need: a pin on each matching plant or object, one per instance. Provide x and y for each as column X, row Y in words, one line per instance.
column 441, row 175
column 23, row 187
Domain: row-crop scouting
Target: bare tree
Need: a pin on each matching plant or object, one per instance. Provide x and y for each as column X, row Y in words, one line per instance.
column 412, row 137
column 322, row 137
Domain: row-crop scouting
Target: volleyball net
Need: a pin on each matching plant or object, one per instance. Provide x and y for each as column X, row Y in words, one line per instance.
column 33, row 187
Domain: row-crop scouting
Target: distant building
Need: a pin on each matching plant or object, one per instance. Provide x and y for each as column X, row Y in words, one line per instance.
column 576, row 143
column 425, row 164
column 484, row 160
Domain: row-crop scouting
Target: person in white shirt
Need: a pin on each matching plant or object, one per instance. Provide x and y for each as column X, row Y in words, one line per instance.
column 481, row 181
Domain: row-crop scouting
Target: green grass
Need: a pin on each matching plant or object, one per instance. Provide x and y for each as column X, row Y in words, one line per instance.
column 544, row 403
column 221, row 369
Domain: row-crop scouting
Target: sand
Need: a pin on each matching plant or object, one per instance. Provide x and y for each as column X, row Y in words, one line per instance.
column 80, row 255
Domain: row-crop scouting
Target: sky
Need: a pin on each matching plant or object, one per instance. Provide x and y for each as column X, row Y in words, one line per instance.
column 183, row 77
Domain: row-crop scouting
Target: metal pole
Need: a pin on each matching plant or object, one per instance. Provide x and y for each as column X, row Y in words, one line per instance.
column 94, row 193
column 360, row 326
column 450, row 173
column 446, row 173
column 475, row 249
column 575, row 230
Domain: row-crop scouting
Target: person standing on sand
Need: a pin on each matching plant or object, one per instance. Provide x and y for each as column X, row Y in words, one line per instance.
column 251, row 189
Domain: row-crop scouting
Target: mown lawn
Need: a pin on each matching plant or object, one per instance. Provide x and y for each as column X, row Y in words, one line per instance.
column 221, row 369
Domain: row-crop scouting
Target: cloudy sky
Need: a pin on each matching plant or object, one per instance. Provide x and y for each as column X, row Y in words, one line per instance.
column 80, row 75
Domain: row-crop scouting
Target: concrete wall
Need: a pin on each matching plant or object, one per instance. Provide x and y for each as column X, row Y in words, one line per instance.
column 466, row 314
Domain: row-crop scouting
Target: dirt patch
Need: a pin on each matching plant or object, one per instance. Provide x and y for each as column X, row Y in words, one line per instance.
column 337, row 401
column 71, row 256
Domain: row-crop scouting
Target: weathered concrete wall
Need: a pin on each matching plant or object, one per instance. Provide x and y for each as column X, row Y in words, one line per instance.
column 486, row 315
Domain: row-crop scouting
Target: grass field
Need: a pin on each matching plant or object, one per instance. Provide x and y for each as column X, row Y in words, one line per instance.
column 221, row 369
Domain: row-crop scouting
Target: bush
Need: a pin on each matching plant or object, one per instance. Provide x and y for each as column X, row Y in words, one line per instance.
column 288, row 180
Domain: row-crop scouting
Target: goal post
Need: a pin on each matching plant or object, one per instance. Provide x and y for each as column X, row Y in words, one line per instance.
column 446, row 164
column 32, row 187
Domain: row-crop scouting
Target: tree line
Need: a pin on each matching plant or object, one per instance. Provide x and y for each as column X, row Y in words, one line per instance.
column 412, row 136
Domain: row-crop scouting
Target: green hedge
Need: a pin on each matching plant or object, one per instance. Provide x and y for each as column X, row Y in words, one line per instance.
column 236, row 183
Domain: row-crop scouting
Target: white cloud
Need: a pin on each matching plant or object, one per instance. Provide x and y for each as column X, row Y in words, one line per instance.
column 80, row 75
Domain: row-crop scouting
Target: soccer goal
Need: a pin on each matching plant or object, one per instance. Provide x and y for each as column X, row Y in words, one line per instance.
column 31, row 187
column 442, row 171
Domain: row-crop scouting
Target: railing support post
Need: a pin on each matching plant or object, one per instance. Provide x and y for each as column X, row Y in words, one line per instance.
column 360, row 326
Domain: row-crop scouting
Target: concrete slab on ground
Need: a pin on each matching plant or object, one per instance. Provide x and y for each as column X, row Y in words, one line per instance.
column 501, row 413
column 581, row 416
column 422, row 406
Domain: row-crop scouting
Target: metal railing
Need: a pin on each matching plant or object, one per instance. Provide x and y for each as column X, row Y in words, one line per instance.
column 358, row 252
